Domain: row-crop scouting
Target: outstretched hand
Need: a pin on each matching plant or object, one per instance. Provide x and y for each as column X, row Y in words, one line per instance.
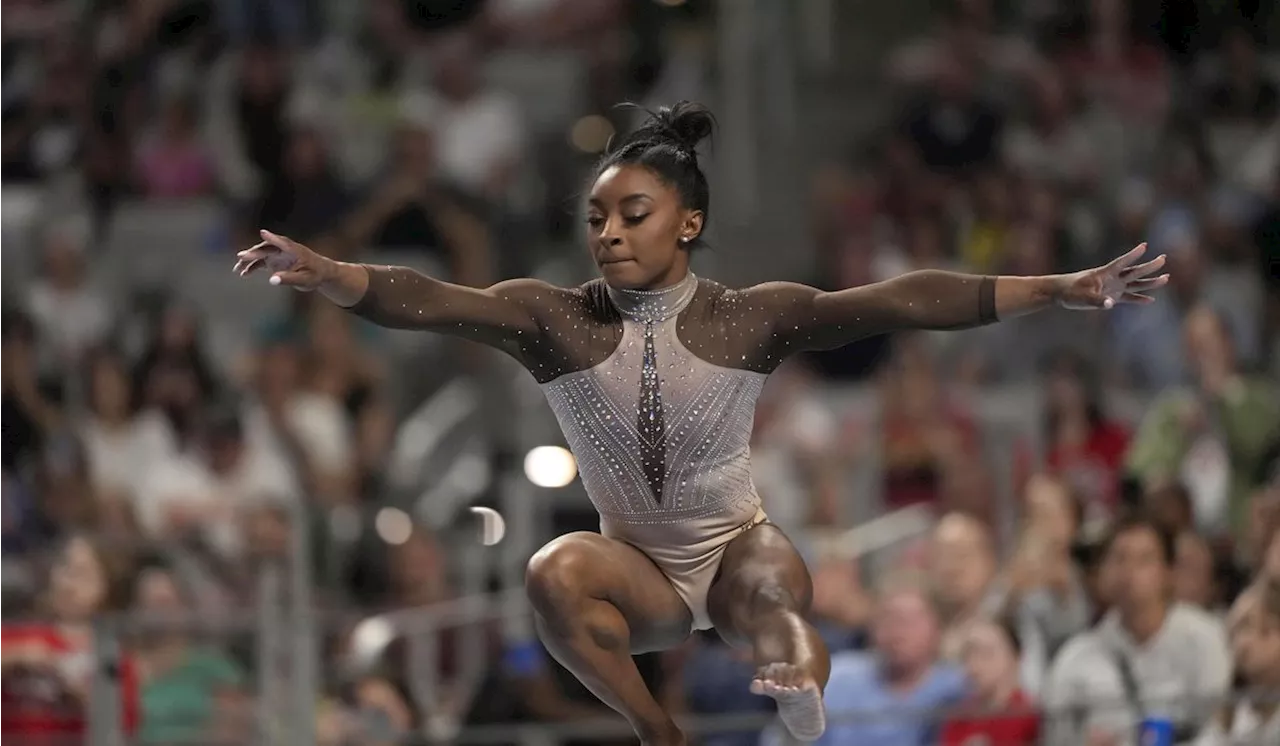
column 289, row 262
column 1119, row 281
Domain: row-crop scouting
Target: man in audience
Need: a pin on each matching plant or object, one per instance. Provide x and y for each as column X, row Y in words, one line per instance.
column 1150, row 656
column 885, row 697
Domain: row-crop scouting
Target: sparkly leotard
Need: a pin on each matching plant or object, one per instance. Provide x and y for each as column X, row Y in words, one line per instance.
column 656, row 390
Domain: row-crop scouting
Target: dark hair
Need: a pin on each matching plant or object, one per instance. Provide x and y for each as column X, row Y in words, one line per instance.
column 1008, row 626
column 666, row 143
column 1139, row 521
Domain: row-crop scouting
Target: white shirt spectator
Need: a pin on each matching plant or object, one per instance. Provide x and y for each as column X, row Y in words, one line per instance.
column 1247, row 728
column 185, row 483
column 318, row 422
column 69, row 321
column 1178, row 675
column 120, row 459
column 477, row 137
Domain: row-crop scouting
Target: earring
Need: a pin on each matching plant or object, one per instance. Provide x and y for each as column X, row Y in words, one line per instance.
column 684, row 239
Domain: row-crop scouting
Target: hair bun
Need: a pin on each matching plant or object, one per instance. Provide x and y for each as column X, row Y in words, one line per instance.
column 685, row 125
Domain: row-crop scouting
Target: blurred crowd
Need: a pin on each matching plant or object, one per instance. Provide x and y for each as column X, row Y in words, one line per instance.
column 1133, row 573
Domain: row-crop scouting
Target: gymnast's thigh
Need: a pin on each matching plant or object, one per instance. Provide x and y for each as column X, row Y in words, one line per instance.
column 761, row 572
column 581, row 567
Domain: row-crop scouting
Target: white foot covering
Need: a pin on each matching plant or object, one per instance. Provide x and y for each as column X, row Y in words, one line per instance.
column 800, row 708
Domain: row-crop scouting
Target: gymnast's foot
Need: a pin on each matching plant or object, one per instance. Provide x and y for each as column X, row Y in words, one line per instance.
column 799, row 698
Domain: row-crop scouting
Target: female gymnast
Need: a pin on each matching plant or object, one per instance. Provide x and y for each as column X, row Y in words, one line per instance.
column 653, row 374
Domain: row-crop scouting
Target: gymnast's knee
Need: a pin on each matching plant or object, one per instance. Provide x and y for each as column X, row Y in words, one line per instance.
column 770, row 597
column 561, row 574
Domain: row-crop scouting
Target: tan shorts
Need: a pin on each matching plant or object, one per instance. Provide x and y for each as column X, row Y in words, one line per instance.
column 688, row 553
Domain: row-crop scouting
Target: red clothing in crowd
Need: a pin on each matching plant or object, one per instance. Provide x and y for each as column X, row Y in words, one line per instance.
column 37, row 704
column 1093, row 467
column 1019, row 727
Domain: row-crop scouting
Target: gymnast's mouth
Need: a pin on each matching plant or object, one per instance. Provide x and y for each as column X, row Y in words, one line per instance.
column 605, row 262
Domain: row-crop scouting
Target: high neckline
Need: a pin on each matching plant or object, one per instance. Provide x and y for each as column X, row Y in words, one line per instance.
column 654, row 305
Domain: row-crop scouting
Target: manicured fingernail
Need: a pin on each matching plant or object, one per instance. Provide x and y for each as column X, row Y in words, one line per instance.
column 275, row 279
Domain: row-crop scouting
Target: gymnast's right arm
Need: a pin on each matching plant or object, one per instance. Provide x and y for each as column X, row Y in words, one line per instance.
column 399, row 297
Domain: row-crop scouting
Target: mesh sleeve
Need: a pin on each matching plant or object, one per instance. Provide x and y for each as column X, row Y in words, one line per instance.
column 787, row 318
column 550, row 330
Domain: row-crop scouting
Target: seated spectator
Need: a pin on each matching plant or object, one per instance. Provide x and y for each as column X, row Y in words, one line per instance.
column 47, row 667
column 996, row 707
column 717, row 681
column 415, row 208
column 1149, row 657
column 180, row 679
column 307, row 430
column 173, row 162
column 963, row 568
column 122, row 443
column 1083, row 445
column 480, row 133
column 1195, row 573
column 954, row 127
column 924, row 434
column 307, row 199
column 198, row 492
column 1211, row 437
column 880, row 697
column 31, row 406
column 842, row 606
column 1254, row 625
column 70, row 315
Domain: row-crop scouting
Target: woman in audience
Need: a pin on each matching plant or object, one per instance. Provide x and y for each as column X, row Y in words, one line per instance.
column 1255, row 643
column 48, row 667
column 121, row 442
column 997, row 709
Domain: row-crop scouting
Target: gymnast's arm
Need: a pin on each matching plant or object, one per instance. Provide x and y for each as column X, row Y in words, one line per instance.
column 805, row 318
column 802, row 317
column 402, row 298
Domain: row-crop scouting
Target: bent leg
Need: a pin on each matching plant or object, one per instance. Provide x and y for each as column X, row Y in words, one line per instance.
column 758, row 600
column 597, row 601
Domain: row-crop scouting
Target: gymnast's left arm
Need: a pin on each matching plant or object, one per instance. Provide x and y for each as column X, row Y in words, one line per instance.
column 805, row 318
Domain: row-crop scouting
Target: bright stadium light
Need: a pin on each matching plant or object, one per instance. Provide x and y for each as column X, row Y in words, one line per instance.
column 550, row 466
column 393, row 525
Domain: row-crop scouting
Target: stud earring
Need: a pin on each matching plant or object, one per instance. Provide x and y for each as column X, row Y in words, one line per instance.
column 684, row 239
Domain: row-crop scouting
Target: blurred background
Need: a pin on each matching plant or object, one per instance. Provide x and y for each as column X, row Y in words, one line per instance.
column 238, row 515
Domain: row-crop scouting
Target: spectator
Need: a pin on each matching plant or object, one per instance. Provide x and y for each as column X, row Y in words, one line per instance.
column 180, row 679
column 842, row 606
column 717, row 681
column 1083, row 446
column 1047, row 593
column 885, row 693
column 996, row 707
column 1212, row 437
column 963, row 567
column 1158, row 657
column 31, row 406
column 172, row 161
column 69, row 313
column 792, row 447
column 198, row 492
column 479, row 131
column 1255, row 644
column 955, row 129
column 122, row 442
column 307, row 199
column 305, row 431
column 924, row 435
column 414, row 207
column 47, row 667
column 1195, row 573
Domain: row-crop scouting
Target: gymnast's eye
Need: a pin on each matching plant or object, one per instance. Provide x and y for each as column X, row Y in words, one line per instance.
column 595, row 221
column 634, row 219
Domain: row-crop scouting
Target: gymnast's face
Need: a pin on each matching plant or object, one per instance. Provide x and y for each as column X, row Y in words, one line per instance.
column 636, row 228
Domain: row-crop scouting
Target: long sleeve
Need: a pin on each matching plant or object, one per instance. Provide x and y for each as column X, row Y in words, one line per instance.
column 550, row 330
column 402, row 298
column 804, row 318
